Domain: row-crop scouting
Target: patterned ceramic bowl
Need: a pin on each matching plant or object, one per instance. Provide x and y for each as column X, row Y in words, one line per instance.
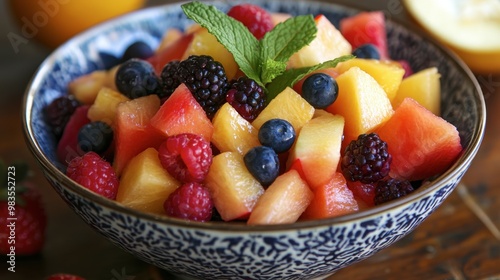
column 303, row 250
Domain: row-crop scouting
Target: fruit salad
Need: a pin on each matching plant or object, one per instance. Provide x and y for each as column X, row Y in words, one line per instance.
column 272, row 119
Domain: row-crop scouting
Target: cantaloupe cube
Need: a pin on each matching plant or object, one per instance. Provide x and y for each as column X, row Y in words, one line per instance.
column 318, row 148
column 423, row 87
column 234, row 190
column 361, row 101
column 232, row 133
column 283, row 202
column 387, row 75
column 105, row 104
column 287, row 105
column 145, row 184
column 328, row 44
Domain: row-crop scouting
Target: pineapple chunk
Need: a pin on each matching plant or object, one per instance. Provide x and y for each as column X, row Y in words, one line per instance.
column 105, row 105
column 232, row 133
column 287, row 105
column 145, row 184
column 234, row 190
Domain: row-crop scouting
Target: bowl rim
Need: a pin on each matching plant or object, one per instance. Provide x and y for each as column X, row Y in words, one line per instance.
column 461, row 164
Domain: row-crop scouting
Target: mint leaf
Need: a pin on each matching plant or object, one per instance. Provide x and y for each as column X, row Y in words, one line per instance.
column 291, row 76
column 285, row 39
column 232, row 34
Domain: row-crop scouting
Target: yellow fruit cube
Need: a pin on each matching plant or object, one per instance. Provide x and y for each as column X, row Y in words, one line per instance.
column 234, row 190
column 388, row 75
column 287, row 105
column 318, row 148
column 423, row 87
column 145, row 184
column 328, row 44
column 232, row 133
column 204, row 43
column 361, row 101
column 105, row 105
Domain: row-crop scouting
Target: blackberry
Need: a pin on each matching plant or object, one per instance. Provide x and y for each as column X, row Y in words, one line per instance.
column 58, row 112
column 169, row 81
column 366, row 159
column 390, row 189
column 247, row 97
column 206, row 79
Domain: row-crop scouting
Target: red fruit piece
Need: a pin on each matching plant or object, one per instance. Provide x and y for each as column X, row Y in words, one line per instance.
column 187, row 157
column 174, row 51
column 255, row 18
column 331, row 200
column 364, row 28
column 365, row 192
column 181, row 113
column 422, row 144
column 406, row 66
column 64, row 276
column 95, row 174
column 28, row 227
column 191, row 201
column 68, row 148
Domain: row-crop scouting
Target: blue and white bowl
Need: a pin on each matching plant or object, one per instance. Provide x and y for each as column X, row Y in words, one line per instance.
column 216, row 250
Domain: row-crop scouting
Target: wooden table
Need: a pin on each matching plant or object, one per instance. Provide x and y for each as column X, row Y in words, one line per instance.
column 460, row 240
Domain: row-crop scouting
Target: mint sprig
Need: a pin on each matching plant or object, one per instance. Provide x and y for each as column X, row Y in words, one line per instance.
column 264, row 61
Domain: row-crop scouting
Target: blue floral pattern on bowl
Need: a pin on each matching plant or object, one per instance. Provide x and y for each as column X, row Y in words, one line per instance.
column 304, row 250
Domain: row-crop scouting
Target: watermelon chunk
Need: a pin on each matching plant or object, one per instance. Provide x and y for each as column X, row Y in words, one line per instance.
column 174, row 51
column 331, row 200
column 422, row 144
column 181, row 113
column 366, row 28
column 133, row 131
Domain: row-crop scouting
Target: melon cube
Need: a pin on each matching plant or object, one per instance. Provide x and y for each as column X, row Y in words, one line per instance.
column 145, row 184
column 361, row 101
column 332, row 199
column 318, row 148
column 181, row 113
column 232, row 133
column 283, row 202
column 424, row 87
column 328, row 44
column 234, row 190
column 422, row 144
column 387, row 75
column 287, row 105
column 105, row 105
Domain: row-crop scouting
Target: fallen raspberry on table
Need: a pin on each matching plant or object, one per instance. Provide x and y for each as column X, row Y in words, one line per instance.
column 191, row 201
column 255, row 18
column 187, row 157
column 95, row 174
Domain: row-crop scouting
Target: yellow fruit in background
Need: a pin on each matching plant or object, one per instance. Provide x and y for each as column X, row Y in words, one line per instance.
column 52, row 22
column 469, row 27
column 424, row 87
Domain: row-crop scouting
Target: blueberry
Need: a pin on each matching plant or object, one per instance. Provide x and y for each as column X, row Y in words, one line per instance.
column 108, row 60
column 136, row 78
column 320, row 90
column 277, row 134
column 263, row 163
column 96, row 137
column 368, row 51
column 137, row 49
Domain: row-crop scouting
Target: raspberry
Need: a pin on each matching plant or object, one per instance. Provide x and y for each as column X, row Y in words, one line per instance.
column 206, row 79
column 255, row 18
column 58, row 113
column 367, row 159
column 390, row 189
column 191, row 201
column 94, row 173
column 168, row 79
column 247, row 97
column 187, row 157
